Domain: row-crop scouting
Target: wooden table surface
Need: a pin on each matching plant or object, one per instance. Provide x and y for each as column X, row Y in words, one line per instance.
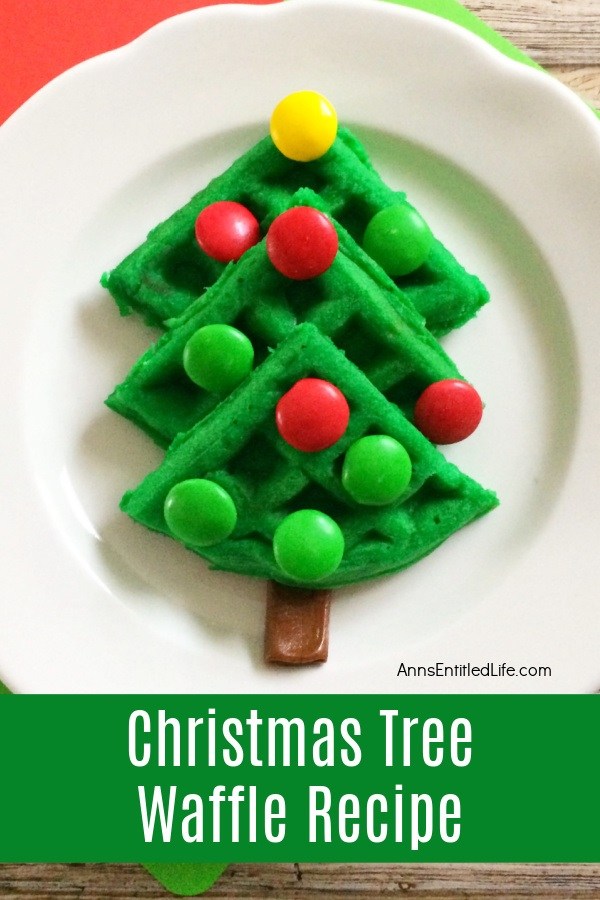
column 564, row 36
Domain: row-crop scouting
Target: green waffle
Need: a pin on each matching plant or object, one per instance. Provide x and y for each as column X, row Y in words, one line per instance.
column 353, row 302
column 238, row 447
column 168, row 271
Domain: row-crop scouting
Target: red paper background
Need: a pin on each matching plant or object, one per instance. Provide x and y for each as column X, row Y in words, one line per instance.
column 39, row 39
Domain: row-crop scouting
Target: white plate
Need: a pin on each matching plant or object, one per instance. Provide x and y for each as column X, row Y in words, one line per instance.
column 503, row 161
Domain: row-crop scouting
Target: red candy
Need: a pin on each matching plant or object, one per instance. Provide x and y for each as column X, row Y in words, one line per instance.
column 448, row 411
column 313, row 415
column 302, row 243
column 225, row 230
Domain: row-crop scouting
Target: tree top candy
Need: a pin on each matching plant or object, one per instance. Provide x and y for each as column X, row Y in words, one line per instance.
column 303, row 126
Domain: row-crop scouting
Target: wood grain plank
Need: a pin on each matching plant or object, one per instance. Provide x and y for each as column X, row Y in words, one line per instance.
column 309, row 882
column 583, row 79
column 554, row 32
column 440, row 882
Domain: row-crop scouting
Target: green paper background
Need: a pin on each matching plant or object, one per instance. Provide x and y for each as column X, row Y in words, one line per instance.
column 186, row 879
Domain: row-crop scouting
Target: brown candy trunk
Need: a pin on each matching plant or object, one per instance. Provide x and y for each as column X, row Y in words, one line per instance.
column 297, row 625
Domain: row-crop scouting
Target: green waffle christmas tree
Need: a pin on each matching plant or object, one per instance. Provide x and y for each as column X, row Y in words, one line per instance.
column 286, row 391
column 163, row 276
column 352, row 301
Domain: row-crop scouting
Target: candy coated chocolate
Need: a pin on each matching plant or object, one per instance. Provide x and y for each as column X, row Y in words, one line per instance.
column 376, row 470
column 218, row 357
column 303, row 126
column 448, row 411
column 302, row 243
column 399, row 239
column 225, row 230
column 308, row 545
column 312, row 415
column 200, row 512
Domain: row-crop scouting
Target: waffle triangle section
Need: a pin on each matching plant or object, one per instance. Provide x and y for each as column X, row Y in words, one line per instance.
column 238, row 446
column 167, row 272
column 354, row 302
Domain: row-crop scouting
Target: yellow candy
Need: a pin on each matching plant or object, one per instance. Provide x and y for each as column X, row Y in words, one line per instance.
column 303, row 126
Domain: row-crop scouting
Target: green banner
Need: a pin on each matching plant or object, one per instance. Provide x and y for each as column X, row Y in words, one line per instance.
column 318, row 778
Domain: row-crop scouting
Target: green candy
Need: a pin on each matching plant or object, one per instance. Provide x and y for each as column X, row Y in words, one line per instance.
column 218, row 358
column 376, row 470
column 308, row 545
column 399, row 239
column 200, row 512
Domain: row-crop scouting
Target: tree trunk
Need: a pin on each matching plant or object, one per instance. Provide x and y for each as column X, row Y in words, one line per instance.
column 297, row 625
